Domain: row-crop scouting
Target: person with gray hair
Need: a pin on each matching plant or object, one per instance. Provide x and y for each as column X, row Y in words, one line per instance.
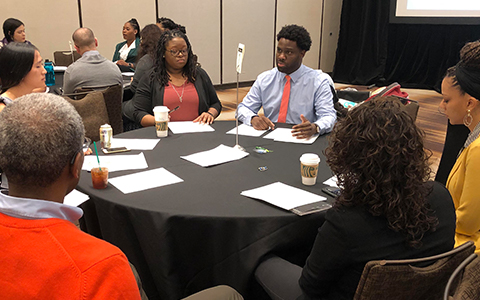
column 92, row 69
column 44, row 255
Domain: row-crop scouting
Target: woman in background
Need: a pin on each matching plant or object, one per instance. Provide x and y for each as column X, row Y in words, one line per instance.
column 168, row 24
column 461, row 95
column 14, row 31
column 21, row 72
column 176, row 80
column 126, row 52
column 386, row 208
column 150, row 35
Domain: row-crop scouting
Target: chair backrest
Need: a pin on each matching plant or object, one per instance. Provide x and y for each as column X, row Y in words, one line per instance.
column 64, row 58
column 467, row 280
column 405, row 279
column 112, row 95
column 91, row 107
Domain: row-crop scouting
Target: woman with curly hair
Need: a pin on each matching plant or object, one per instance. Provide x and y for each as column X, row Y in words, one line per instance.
column 168, row 24
column 386, row 208
column 461, row 103
column 176, row 80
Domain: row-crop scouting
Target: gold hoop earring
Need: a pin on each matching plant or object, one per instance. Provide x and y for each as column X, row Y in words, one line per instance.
column 468, row 119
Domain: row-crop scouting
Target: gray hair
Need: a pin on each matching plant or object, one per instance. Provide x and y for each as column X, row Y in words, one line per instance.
column 39, row 135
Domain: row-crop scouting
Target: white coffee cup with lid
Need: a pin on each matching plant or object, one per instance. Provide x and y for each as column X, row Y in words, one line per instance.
column 309, row 168
column 161, row 120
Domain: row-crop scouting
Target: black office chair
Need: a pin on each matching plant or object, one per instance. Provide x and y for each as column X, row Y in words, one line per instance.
column 407, row 280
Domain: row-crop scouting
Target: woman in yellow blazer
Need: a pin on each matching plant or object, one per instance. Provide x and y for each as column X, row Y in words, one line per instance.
column 461, row 103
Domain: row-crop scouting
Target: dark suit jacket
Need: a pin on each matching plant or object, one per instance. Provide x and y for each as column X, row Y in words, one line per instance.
column 150, row 94
column 350, row 237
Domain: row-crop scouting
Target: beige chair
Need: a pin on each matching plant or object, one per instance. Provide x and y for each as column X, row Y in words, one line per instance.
column 64, row 58
column 112, row 95
column 467, row 280
column 411, row 279
column 91, row 107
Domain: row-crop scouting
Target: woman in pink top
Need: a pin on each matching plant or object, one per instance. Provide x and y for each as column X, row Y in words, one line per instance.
column 176, row 80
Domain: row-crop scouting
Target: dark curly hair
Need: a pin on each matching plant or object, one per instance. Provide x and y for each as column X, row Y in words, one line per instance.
column 297, row 34
column 150, row 35
column 168, row 24
column 377, row 154
column 160, row 69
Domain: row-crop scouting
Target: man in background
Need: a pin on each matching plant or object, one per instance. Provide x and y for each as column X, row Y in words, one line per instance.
column 292, row 92
column 91, row 69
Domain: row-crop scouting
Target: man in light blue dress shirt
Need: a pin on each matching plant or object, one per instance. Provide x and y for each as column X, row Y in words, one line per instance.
column 310, row 103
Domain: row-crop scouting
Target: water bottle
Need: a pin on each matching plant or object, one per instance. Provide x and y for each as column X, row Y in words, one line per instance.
column 50, row 77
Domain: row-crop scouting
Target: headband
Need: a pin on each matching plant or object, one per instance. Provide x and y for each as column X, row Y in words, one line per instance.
column 468, row 79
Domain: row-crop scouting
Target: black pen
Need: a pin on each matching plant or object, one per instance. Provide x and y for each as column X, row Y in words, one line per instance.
column 174, row 109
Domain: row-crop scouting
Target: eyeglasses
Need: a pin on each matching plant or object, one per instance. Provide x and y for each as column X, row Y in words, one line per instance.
column 177, row 52
column 86, row 144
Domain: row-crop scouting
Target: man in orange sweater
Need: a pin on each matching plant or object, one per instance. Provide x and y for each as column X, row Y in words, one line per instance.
column 43, row 254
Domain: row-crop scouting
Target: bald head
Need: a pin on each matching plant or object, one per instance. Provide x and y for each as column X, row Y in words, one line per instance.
column 84, row 39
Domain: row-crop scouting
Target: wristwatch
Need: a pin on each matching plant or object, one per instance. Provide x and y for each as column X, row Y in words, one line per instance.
column 317, row 128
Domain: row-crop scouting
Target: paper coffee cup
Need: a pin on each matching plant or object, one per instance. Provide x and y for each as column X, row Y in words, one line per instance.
column 309, row 168
column 161, row 120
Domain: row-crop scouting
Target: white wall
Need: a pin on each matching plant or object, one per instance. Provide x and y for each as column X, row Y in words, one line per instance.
column 106, row 19
column 307, row 13
column 251, row 23
column 49, row 24
column 202, row 20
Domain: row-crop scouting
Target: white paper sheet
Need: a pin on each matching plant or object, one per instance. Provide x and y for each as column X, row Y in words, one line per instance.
column 285, row 135
column 144, row 180
column 128, row 74
column 283, row 195
column 188, row 127
column 246, row 130
column 116, row 162
column 75, row 198
column 332, row 181
column 219, row 155
column 135, row 144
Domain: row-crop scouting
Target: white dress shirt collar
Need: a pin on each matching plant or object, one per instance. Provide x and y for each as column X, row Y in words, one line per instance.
column 34, row 209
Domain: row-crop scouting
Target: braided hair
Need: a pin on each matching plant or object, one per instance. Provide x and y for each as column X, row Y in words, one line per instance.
column 160, row 68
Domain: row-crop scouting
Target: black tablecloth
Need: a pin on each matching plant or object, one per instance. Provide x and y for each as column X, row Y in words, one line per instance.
column 199, row 233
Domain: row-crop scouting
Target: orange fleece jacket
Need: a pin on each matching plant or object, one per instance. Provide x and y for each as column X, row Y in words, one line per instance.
column 53, row 259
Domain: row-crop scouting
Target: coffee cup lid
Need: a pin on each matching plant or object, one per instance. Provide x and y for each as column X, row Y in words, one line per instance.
column 310, row 157
column 160, row 109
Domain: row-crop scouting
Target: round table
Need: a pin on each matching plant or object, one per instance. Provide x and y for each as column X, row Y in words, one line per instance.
column 192, row 235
